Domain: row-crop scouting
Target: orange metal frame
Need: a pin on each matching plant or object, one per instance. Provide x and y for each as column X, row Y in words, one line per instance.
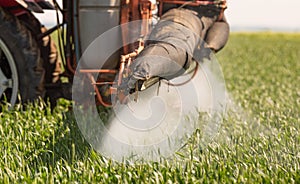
column 131, row 10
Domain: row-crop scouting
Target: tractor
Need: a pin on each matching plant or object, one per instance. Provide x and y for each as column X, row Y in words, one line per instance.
column 31, row 67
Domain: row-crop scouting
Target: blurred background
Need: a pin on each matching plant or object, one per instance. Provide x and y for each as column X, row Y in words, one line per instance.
column 246, row 15
column 270, row 15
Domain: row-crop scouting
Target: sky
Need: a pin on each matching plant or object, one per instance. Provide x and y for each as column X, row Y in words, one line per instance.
column 249, row 15
column 265, row 14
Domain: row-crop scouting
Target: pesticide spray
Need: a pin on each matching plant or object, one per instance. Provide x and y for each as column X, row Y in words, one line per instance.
column 157, row 121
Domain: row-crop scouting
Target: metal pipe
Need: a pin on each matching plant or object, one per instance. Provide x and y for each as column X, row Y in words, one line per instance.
column 76, row 31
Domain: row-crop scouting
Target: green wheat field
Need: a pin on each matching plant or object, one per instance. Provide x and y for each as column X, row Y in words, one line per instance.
column 258, row 142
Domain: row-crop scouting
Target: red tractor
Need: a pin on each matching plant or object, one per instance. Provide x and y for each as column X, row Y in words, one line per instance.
column 30, row 66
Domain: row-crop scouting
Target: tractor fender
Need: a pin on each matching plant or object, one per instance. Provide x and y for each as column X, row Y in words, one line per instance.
column 36, row 6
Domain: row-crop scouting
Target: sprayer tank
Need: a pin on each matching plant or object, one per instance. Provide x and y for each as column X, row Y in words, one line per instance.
column 97, row 17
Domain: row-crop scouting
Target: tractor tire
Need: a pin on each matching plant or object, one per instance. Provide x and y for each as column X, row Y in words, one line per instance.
column 51, row 62
column 21, row 67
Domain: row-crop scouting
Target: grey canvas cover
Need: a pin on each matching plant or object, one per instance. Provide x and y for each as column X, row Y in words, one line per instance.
column 172, row 43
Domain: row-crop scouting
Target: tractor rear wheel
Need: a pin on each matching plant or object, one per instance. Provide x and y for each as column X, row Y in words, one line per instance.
column 21, row 70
